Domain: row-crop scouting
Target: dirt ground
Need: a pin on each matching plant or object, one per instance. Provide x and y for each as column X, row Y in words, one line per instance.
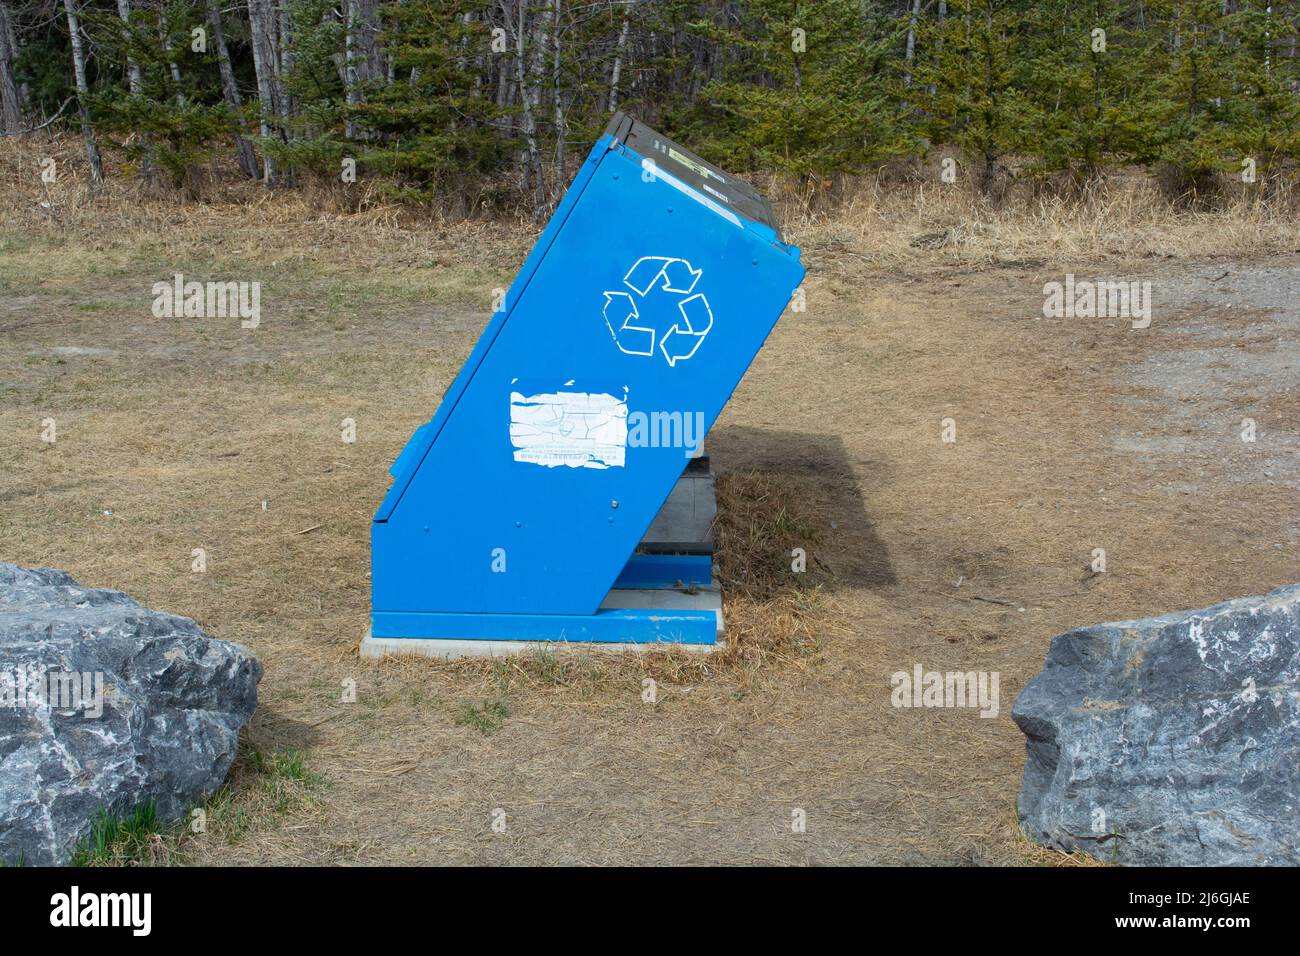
column 1071, row 435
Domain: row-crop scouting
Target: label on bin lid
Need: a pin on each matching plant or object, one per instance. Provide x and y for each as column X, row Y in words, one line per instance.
column 702, row 176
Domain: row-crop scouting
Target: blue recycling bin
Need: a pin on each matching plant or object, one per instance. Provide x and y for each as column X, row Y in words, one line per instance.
column 517, row 509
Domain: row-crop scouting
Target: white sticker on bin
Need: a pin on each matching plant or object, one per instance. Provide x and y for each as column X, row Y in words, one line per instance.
column 571, row 429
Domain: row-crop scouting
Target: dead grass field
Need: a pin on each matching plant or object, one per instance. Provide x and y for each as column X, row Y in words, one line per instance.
column 173, row 433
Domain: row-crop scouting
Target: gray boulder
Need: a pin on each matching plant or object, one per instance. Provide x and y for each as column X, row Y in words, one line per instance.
column 1173, row 740
column 106, row 704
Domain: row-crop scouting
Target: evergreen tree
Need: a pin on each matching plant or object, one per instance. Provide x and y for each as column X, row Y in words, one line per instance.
column 811, row 92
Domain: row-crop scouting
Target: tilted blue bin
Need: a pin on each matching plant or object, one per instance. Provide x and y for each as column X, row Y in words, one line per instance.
column 517, row 508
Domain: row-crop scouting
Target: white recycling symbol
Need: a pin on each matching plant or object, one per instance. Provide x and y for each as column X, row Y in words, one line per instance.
column 649, row 277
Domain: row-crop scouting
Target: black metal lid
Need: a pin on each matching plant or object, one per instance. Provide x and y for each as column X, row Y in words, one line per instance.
column 702, row 176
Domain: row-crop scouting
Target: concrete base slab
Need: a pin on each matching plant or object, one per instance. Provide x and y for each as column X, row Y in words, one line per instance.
column 640, row 600
column 451, row 649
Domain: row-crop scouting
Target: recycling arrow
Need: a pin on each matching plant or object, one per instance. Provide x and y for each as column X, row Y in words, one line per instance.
column 655, row 276
column 630, row 337
column 685, row 340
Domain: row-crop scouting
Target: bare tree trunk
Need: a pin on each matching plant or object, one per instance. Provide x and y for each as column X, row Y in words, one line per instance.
column 465, row 20
column 351, row 59
column 541, row 29
column 616, row 73
column 172, row 68
column 558, row 97
column 24, row 90
column 990, row 101
column 699, row 71
column 229, row 89
column 83, row 91
column 911, row 42
column 365, row 62
column 11, row 111
column 532, row 158
column 283, row 45
column 7, row 25
column 136, row 85
column 503, row 86
column 966, row 54
column 943, row 19
column 165, row 39
column 264, row 66
column 132, row 67
column 376, row 56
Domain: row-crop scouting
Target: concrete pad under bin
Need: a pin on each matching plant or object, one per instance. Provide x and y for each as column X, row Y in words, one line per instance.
column 646, row 600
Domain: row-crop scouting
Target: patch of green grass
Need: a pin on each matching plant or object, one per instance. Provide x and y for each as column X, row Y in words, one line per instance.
column 266, row 786
column 548, row 667
column 487, row 719
column 119, row 841
column 288, row 765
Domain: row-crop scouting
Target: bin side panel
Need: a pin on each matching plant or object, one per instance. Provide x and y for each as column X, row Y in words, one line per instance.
column 539, row 485
column 418, row 446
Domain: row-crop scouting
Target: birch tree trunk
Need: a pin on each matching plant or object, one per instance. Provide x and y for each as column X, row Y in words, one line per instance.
column 365, row 62
column 264, row 66
column 541, row 31
column 11, row 111
column 229, row 89
column 135, row 84
column 351, row 59
column 79, row 74
column 462, row 48
column 911, row 42
column 943, row 19
column 24, row 91
column 284, row 59
column 558, row 97
column 990, row 102
column 132, row 67
column 172, row 68
column 616, row 73
column 376, row 57
column 532, row 159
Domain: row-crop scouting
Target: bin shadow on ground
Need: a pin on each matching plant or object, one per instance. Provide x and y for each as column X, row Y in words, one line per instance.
column 854, row 552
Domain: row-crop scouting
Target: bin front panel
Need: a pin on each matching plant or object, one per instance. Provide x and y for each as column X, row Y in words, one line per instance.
column 628, row 338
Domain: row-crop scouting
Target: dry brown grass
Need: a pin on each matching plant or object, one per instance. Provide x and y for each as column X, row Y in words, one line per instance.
column 174, row 436
column 893, row 225
column 888, row 222
column 239, row 223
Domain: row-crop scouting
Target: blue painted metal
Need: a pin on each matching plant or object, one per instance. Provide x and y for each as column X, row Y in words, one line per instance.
column 418, row 446
column 663, row 571
column 471, row 538
column 613, row 626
